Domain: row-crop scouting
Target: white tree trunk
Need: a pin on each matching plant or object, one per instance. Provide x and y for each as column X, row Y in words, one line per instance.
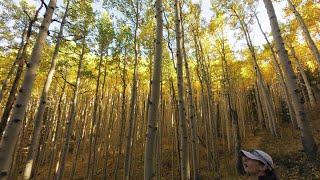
column 70, row 121
column 279, row 75
column 133, row 101
column 307, row 139
column 184, row 150
column 33, row 149
column 154, row 98
column 13, row 128
column 312, row 100
column 306, row 33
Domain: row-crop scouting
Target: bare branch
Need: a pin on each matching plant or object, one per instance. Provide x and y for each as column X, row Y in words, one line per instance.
column 43, row 3
column 27, row 15
column 64, row 78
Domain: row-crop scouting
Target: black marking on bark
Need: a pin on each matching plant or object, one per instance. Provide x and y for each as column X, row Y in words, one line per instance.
column 3, row 174
column 16, row 120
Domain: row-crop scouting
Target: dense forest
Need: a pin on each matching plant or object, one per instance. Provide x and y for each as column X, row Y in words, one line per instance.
column 158, row 89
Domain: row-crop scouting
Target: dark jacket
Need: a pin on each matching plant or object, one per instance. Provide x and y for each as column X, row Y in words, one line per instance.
column 270, row 175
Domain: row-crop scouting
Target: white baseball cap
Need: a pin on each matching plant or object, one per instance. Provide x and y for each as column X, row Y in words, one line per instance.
column 259, row 156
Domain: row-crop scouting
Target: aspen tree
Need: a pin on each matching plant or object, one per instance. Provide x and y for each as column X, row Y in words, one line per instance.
column 312, row 45
column 104, row 38
column 176, row 127
column 10, row 136
column 128, row 158
column 311, row 98
column 204, row 110
column 184, row 149
column 211, row 124
column 307, row 139
column 154, row 98
column 279, row 74
column 94, row 125
column 57, row 130
column 123, row 117
column 82, row 130
column 15, row 84
column 4, row 82
column 265, row 94
column 32, row 152
column 232, row 113
column 108, row 135
column 192, row 116
column 261, row 115
column 71, row 118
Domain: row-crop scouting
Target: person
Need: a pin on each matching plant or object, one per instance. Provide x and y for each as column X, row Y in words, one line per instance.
column 259, row 165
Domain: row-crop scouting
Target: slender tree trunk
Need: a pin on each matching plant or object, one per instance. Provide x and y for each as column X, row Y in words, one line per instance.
column 192, row 116
column 306, row 33
column 21, row 59
column 122, row 122
column 32, row 152
column 57, row 131
column 72, row 115
column 11, row 98
column 211, row 119
column 13, row 128
column 108, row 139
column 94, row 124
column 154, row 98
column 13, row 67
column 175, row 125
column 265, row 94
column 81, row 134
column 129, row 145
column 184, row 149
column 279, row 75
column 307, row 139
column 312, row 99
column 233, row 115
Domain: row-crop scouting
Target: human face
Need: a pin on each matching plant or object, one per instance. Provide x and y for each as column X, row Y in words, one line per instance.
column 252, row 167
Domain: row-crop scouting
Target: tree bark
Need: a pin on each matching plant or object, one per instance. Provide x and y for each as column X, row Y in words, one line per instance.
column 192, row 115
column 312, row 99
column 154, row 98
column 72, row 115
column 122, row 121
column 265, row 94
column 94, row 124
column 32, row 152
column 307, row 139
column 184, row 149
column 233, row 115
column 21, row 59
column 13, row 128
column 279, row 75
column 306, row 33
column 57, row 131
column 13, row 67
column 133, row 101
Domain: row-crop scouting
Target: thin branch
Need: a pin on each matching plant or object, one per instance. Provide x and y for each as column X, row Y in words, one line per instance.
column 27, row 15
column 43, row 3
column 62, row 76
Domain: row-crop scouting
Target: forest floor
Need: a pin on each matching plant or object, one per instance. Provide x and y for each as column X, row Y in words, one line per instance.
column 286, row 151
